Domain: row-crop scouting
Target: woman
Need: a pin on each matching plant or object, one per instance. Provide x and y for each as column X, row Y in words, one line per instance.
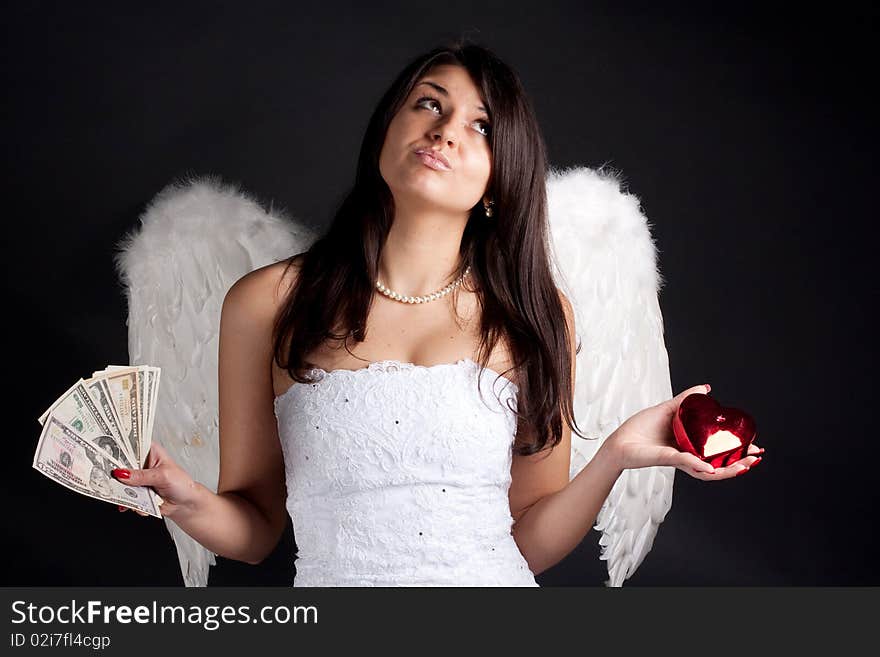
column 366, row 384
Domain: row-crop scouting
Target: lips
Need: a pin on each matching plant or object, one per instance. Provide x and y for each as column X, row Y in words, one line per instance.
column 434, row 159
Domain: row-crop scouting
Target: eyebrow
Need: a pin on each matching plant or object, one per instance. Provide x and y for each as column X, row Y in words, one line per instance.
column 446, row 93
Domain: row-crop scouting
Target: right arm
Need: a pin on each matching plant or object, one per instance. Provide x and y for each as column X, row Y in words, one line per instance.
column 245, row 518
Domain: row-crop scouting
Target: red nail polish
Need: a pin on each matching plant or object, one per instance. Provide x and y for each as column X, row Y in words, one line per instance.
column 120, row 507
column 121, row 473
column 757, row 461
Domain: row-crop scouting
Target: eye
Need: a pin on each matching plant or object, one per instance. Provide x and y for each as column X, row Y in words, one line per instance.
column 487, row 126
column 428, row 98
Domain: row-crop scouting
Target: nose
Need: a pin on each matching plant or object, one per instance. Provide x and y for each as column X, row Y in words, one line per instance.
column 444, row 130
column 438, row 134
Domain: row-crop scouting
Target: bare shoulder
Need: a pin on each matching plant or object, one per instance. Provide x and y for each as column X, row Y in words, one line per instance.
column 568, row 310
column 260, row 292
column 566, row 303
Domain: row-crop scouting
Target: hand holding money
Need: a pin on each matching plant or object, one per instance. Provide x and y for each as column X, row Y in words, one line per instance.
column 177, row 489
column 98, row 425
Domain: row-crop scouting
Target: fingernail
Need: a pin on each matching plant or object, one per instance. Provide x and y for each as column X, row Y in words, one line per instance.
column 120, row 507
column 120, row 473
column 757, row 461
column 708, row 388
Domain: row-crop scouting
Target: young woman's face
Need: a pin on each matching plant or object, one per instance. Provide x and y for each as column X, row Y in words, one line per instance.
column 451, row 123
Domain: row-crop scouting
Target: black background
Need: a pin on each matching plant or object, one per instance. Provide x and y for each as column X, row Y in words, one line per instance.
column 747, row 133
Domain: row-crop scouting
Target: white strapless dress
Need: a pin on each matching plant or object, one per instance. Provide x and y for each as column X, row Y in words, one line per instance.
column 398, row 475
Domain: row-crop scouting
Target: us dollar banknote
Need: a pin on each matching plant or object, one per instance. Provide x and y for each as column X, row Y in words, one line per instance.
column 100, row 393
column 77, row 409
column 105, row 422
column 148, row 385
column 126, row 396
column 73, row 462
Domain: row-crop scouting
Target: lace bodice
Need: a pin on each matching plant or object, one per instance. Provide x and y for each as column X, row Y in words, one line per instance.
column 398, row 475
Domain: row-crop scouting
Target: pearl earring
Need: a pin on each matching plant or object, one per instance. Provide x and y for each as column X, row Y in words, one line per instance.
column 489, row 208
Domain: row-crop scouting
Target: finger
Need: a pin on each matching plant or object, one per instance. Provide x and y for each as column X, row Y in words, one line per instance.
column 738, row 468
column 148, row 477
column 141, row 513
column 702, row 389
column 720, row 473
column 675, row 402
column 754, row 449
column 747, row 462
column 159, row 452
column 733, row 470
column 156, row 456
column 121, row 508
column 690, row 462
column 152, row 459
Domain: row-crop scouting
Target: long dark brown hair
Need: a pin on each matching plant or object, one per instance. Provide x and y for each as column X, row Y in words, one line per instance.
column 508, row 253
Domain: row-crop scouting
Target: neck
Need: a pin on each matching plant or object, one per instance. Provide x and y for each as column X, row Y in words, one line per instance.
column 421, row 252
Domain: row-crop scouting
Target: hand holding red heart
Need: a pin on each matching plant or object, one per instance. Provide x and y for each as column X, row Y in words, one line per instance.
column 647, row 438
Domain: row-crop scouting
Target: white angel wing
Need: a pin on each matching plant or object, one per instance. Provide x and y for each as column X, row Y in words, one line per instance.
column 605, row 262
column 196, row 239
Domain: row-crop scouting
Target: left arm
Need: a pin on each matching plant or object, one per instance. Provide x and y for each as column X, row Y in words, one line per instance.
column 552, row 515
column 555, row 525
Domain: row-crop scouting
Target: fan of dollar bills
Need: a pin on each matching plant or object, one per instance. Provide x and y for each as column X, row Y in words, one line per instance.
column 99, row 424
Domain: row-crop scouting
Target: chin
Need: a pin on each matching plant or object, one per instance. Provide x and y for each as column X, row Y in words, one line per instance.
column 420, row 191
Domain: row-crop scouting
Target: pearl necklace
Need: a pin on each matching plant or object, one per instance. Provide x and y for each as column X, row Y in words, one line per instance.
column 442, row 292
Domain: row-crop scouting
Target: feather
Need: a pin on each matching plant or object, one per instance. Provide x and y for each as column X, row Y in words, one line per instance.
column 197, row 237
column 604, row 260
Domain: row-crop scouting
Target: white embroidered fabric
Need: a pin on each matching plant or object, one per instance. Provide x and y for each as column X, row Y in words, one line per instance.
column 398, row 475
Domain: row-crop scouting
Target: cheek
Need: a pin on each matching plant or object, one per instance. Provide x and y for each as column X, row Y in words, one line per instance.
column 396, row 138
column 480, row 167
column 401, row 125
column 389, row 146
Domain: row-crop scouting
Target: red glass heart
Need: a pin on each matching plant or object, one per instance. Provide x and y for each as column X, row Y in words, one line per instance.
column 717, row 434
